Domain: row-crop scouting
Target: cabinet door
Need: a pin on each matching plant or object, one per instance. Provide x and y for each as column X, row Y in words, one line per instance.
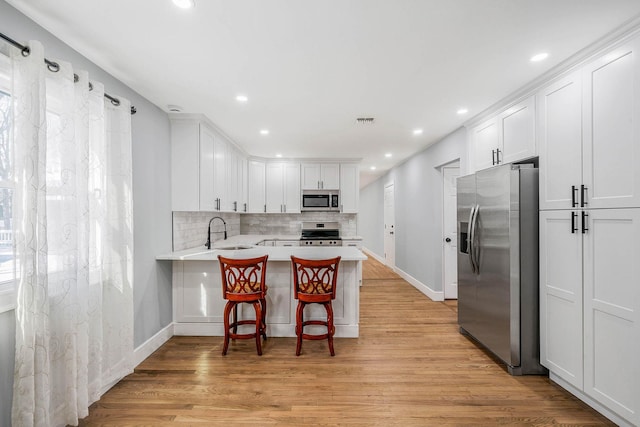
column 560, row 141
column 274, row 188
column 330, row 176
column 349, row 187
column 292, row 194
column 518, row 132
column 561, row 295
column 256, row 187
column 242, row 183
column 207, row 166
column 612, row 309
column 485, row 142
column 233, row 185
column 611, row 147
column 310, row 176
column 220, row 175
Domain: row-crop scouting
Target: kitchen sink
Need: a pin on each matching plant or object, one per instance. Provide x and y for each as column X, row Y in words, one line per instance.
column 232, row 247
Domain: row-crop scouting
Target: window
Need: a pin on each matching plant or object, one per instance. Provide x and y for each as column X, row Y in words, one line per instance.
column 7, row 185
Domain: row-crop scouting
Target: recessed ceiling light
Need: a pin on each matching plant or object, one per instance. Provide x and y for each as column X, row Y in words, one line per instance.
column 539, row 57
column 387, row 155
column 372, row 168
column 242, row 98
column 278, row 155
column 462, row 111
column 174, row 108
column 264, row 132
column 184, row 4
column 417, row 131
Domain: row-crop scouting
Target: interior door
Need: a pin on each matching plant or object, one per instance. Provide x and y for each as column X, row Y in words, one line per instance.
column 389, row 227
column 449, row 229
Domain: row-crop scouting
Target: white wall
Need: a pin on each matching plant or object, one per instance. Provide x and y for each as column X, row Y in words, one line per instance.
column 151, row 202
column 418, row 210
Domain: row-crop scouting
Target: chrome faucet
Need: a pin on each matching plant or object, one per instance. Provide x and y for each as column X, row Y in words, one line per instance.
column 208, row 244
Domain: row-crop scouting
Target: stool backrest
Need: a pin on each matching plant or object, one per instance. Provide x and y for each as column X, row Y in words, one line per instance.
column 314, row 278
column 243, row 278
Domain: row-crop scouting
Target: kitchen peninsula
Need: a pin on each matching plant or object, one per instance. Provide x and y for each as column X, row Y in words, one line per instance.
column 198, row 305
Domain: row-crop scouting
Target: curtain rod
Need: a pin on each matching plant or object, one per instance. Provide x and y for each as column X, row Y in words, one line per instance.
column 54, row 67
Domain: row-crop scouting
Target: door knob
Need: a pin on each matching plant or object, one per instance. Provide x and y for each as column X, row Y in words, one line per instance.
column 448, row 239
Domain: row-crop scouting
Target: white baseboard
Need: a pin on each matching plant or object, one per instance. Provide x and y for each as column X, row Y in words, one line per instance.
column 622, row 422
column 152, row 344
column 434, row 295
column 373, row 255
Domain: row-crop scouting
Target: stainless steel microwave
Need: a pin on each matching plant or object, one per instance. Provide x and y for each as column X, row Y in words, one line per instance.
column 320, row 201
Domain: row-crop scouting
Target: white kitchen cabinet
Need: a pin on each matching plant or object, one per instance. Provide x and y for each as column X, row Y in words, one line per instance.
column 518, row 130
column 220, row 179
column 485, row 141
column 315, row 176
column 282, row 189
column 236, row 182
column 560, row 142
column 561, row 307
column 349, row 187
column 590, row 304
column 589, row 130
column 612, row 310
column 505, row 138
column 256, row 186
column 242, row 184
column 207, row 198
column 611, row 111
column 199, row 171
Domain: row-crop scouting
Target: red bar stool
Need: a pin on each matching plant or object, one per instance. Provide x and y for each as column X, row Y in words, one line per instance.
column 314, row 282
column 243, row 281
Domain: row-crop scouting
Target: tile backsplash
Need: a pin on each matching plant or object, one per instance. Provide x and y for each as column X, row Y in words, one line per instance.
column 190, row 228
column 292, row 223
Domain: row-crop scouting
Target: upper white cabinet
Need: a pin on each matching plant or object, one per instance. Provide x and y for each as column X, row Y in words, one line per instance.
column 589, row 129
column 256, row 186
column 505, row 138
column 325, row 176
column 204, row 166
column 611, row 129
column 560, row 142
column 349, row 187
column 282, row 189
column 485, row 142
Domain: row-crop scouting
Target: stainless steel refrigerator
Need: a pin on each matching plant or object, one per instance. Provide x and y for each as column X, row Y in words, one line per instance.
column 498, row 264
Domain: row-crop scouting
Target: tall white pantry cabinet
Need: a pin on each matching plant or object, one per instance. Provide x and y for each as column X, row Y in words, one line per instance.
column 589, row 146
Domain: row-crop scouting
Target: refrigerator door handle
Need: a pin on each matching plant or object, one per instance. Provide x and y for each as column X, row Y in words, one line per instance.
column 476, row 250
column 470, row 239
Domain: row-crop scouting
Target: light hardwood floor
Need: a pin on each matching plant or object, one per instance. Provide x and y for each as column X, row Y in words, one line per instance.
column 409, row 367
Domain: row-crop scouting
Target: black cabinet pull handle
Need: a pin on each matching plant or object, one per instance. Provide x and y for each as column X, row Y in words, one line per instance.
column 574, row 193
column 574, row 228
column 584, row 222
column 498, row 156
column 583, row 195
column 493, row 157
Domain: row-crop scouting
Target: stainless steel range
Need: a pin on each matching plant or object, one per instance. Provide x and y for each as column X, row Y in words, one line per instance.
column 320, row 234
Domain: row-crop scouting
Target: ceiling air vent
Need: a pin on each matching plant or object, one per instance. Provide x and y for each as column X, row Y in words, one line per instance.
column 365, row 120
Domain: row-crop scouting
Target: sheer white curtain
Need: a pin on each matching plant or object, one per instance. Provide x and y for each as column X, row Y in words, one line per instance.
column 74, row 242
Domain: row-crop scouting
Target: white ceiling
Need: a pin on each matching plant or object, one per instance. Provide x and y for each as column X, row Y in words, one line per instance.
column 310, row 68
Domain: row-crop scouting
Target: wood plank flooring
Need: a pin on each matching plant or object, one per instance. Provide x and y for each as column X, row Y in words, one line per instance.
column 409, row 367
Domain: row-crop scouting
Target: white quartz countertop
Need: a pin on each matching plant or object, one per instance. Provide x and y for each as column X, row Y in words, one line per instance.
column 245, row 246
